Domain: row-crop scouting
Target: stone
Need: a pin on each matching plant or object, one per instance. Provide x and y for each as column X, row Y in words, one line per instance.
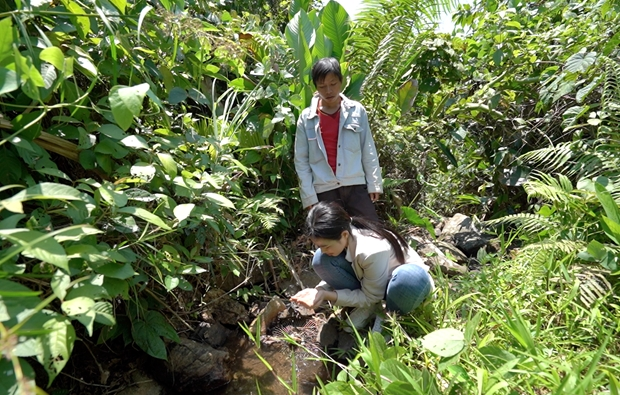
column 268, row 315
column 225, row 309
column 194, row 368
column 212, row 332
column 433, row 256
column 142, row 384
column 461, row 232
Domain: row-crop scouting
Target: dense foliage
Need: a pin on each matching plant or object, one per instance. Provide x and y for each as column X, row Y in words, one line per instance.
column 146, row 152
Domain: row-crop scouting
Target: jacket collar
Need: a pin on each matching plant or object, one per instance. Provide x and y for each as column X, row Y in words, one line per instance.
column 352, row 244
column 345, row 104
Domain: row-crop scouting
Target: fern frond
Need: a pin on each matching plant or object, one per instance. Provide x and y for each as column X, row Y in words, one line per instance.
column 526, row 222
column 610, row 100
column 552, row 190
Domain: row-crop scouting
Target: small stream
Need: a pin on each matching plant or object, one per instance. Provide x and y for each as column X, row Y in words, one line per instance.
column 250, row 372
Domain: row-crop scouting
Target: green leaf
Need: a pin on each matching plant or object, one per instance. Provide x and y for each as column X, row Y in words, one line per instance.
column 147, row 216
column 105, row 313
column 38, row 245
column 115, row 270
column 300, row 36
column 415, row 219
column 219, row 200
column 113, row 197
column 7, row 37
column 177, row 95
column 54, row 56
column 335, row 22
column 8, row 382
column 112, row 131
column 444, row 342
column 157, row 321
column 406, row 95
column 611, row 229
column 77, row 306
column 147, row 339
column 580, row 62
column 171, row 282
column 168, row 163
column 183, row 211
column 57, row 346
column 79, row 20
column 91, row 291
column 60, row 282
column 42, row 191
column 126, row 103
column 9, row 81
column 136, row 142
column 120, row 4
column 607, row 201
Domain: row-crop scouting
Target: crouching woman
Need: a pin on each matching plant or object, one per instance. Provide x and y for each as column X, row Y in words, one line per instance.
column 361, row 263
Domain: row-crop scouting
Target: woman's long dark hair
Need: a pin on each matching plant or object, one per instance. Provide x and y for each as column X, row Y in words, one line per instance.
column 327, row 220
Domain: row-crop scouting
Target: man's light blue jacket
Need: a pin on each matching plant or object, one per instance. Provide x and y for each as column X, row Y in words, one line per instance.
column 357, row 162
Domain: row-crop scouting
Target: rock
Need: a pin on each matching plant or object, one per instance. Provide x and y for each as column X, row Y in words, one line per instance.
column 268, row 315
column 212, row 332
column 433, row 256
column 461, row 232
column 142, row 384
column 194, row 368
column 225, row 309
column 328, row 333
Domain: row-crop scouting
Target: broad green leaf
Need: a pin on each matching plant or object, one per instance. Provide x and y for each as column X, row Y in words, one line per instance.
column 38, row 245
column 112, row 131
column 145, row 171
column 296, row 6
column 49, row 77
column 147, row 339
column 586, row 90
column 607, row 201
column 393, row 370
column 57, row 346
column 335, row 26
column 80, row 21
column 43, row 191
column 157, row 321
column 105, row 313
column 9, row 384
column 126, row 103
column 300, row 36
column 60, row 282
column 323, row 46
column 115, row 270
column 611, row 229
column 171, row 282
column 168, row 163
column 120, row 4
column 9, row 81
column 219, row 199
column 77, row 306
column 135, row 141
column 15, row 290
column 497, row 359
column 192, row 269
column 7, row 37
column 177, row 95
column 91, row 291
column 580, row 62
column 112, row 196
column 86, row 65
column 145, row 215
column 183, row 211
column 116, row 287
column 444, row 342
column 11, row 222
column 88, row 320
column 406, row 95
column 53, row 56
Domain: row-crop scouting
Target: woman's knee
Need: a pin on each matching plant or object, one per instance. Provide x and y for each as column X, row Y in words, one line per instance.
column 409, row 286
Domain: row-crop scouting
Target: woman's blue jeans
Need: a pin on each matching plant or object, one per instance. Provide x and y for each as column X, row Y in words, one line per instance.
column 409, row 286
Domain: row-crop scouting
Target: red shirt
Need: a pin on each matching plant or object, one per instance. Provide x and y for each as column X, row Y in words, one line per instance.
column 329, row 125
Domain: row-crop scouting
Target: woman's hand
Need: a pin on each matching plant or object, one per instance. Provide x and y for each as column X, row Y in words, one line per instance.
column 374, row 196
column 310, row 298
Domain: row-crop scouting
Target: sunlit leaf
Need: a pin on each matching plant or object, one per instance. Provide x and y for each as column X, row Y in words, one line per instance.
column 126, row 103
column 183, row 211
column 444, row 342
column 57, row 346
column 54, row 56
column 38, row 245
column 220, row 200
column 335, row 26
column 580, row 62
column 79, row 19
column 145, row 215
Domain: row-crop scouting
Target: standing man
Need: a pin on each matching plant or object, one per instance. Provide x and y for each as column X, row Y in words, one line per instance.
column 335, row 154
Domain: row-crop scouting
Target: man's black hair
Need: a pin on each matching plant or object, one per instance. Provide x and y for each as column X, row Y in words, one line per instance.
column 323, row 67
